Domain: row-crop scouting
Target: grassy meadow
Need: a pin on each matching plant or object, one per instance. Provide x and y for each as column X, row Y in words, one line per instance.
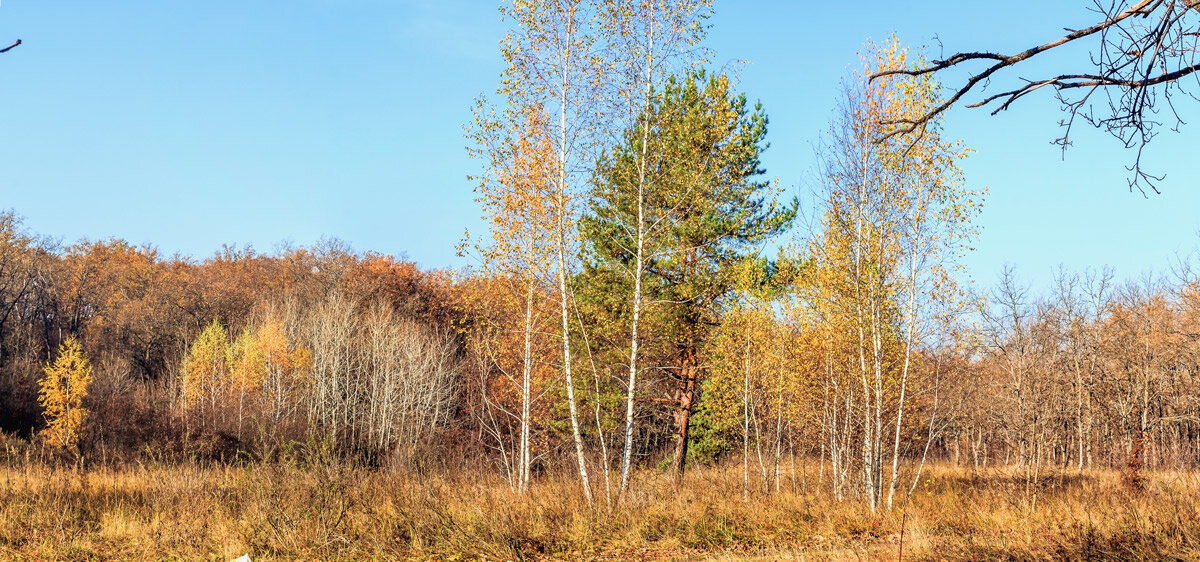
column 278, row 512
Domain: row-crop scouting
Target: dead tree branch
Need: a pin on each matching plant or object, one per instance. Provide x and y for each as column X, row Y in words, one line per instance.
column 1145, row 50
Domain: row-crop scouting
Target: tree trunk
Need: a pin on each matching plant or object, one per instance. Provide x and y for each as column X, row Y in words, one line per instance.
column 564, row 299
column 746, row 420
column 683, row 413
column 638, row 273
column 566, row 339
column 524, row 458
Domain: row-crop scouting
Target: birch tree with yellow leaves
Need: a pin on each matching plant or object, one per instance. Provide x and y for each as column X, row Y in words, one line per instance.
column 285, row 366
column 898, row 217
column 248, row 367
column 517, row 194
column 555, row 65
column 206, row 367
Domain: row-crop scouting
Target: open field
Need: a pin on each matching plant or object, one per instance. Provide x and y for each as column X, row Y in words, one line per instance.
column 155, row 512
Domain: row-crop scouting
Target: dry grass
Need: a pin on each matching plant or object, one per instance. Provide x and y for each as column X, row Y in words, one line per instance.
column 276, row 512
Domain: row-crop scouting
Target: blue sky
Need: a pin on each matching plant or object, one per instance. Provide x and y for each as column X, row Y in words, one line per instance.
column 192, row 125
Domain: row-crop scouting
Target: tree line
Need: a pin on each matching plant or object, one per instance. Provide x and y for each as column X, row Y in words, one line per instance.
column 218, row 355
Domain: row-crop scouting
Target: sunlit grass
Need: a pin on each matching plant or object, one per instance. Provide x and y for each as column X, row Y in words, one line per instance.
column 279, row 512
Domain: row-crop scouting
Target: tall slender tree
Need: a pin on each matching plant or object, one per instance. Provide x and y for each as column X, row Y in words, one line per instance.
column 898, row 216
column 554, row 62
column 517, row 195
column 648, row 40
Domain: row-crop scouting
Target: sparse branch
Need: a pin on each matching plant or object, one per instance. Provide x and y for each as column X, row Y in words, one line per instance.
column 1144, row 51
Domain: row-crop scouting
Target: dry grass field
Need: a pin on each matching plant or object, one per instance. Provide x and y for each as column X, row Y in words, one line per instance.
column 330, row 513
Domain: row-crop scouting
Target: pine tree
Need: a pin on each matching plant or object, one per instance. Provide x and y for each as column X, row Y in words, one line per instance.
column 710, row 206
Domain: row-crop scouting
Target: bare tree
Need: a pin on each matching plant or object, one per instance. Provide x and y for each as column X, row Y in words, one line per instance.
column 1145, row 49
column 380, row 383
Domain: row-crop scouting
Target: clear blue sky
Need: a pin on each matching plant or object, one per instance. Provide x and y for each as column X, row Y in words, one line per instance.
column 190, row 125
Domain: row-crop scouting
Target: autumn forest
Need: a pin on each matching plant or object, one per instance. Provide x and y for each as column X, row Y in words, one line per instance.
column 656, row 350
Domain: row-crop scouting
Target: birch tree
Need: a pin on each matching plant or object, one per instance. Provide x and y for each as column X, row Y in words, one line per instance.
column 648, row 40
column 554, row 63
column 898, row 217
column 517, row 195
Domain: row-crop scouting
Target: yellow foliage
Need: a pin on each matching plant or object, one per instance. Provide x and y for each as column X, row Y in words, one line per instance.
column 62, row 392
column 301, row 360
column 205, row 367
column 518, row 196
column 273, row 344
column 260, row 360
column 247, row 361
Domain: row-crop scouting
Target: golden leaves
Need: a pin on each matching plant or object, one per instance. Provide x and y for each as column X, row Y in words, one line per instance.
column 62, row 392
column 216, row 367
column 205, row 368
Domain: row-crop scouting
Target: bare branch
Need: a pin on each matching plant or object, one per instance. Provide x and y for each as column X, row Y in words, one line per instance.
column 1144, row 51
